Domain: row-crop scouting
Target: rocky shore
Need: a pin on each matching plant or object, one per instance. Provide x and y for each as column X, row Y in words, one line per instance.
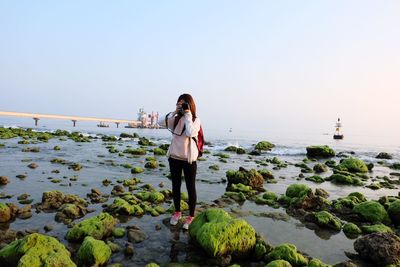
column 71, row 199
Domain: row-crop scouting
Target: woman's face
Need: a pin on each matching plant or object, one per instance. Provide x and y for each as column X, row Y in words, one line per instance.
column 179, row 103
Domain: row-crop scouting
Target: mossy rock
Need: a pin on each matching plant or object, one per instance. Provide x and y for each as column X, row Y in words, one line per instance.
column 239, row 188
column 98, row 227
column 152, row 264
column 93, row 252
column 246, row 177
column 219, row 234
column 344, row 179
column 135, row 151
column 320, row 152
column 143, row 141
column 159, row 152
column 268, row 198
column 5, row 213
column 330, row 163
column 240, row 151
column 316, row 179
column 121, row 206
column 287, row 252
column 353, row 165
column 297, row 190
column 320, row 168
column 151, row 164
column 136, row 170
column 131, row 182
column 184, row 206
column 384, row 155
column 222, row 155
column 351, row 229
column 231, row 149
column 394, row 212
column 164, row 147
column 395, row 166
column 266, row 174
column 376, row 228
column 214, row 167
column 237, row 196
column 349, row 202
column 278, row 263
column 372, row 211
column 156, row 197
column 118, row 232
column 126, row 166
column 326, row 219
column 36, row 250
column 317, row 263
column 264, row 145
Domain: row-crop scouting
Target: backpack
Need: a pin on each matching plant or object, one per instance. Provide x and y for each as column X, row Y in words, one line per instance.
column 200, row 141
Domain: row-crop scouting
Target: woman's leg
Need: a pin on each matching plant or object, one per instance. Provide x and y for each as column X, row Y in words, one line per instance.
column 175, row 167
column 189, row 171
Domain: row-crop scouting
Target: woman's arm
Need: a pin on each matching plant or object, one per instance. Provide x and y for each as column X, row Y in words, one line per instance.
column 169, row 118
column 192, row 128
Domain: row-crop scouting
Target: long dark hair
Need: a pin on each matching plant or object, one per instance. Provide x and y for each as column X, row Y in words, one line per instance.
column 188, row 99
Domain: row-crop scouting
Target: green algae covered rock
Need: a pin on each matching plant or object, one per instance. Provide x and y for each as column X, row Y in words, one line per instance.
column 376, row 228
column 317, row 263
column 326, row 219
column 184, row 206
column 264, row 145
column 319, row 168
column 5, row 213
column 125, row 207
column 240, row 188
column 372, row 211
column 159, row 152
column 352, row 165
column 156, row 197
column 344, row 179
column 118, row 232
column 36, row 250
column 93, row 252
column 136, row 151
column 316, row 179
column 350, row 229
column 320, row 152
column 121, row 206
column 297, row 190
column 219, row 234
column 267, row 174
column 152, row 265
column 278, row 263
column 287, row 252
column 99, row 226
column 246, row 177
column 394, row 212
column 137, row 170
column 237, row 196
column 348, row 202
column 152, row 164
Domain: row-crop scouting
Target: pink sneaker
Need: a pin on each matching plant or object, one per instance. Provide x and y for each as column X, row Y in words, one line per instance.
column 187, row 222
column 175, row 218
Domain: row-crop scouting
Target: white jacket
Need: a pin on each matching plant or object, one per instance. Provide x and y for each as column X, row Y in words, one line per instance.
column 182, row 147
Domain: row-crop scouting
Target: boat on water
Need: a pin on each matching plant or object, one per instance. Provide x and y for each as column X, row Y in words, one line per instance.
column 102, row 124
column 338, row 135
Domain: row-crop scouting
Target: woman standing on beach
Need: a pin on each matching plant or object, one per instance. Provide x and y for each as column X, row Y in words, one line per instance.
column 183, row 153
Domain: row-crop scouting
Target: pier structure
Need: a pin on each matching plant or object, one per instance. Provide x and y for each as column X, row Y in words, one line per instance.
column 37, row 116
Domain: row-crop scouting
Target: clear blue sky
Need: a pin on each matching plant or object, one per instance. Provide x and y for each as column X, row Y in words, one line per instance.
column 274, row 65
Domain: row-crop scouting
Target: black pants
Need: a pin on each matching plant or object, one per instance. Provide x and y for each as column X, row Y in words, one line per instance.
column 189, row 170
